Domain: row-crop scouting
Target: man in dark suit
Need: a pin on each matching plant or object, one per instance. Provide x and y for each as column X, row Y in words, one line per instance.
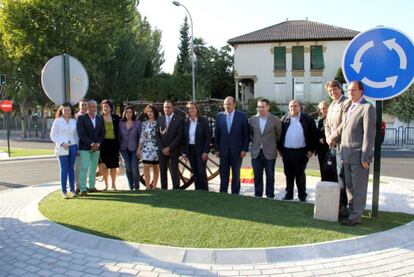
column 232, row 144
column 357, row 142
column 90, row 129
column 296, row 147
column 169, row 138
column 197, row 144
column 265, row 132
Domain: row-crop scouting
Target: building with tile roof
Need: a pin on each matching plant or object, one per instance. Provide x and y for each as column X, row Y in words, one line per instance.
column 292, row 59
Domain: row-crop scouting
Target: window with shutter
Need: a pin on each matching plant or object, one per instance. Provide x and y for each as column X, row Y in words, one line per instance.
column 279, row 58
column 317, row 57
column 298, row 58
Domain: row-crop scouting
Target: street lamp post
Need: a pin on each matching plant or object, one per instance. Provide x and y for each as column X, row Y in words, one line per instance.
column 192, row 48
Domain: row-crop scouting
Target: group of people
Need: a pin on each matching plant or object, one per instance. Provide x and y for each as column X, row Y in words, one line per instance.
column 90, row 139
column 346, row 129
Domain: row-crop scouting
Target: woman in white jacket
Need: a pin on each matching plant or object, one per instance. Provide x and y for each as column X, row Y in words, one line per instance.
column 64, row 134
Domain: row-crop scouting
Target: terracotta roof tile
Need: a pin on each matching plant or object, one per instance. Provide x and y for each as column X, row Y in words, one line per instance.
column 295, row 30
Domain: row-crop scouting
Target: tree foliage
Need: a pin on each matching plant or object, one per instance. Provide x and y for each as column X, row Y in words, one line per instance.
column 402, row 105
column 116, row 46
column 165, row 86
column 183, row 63
column 340, row 76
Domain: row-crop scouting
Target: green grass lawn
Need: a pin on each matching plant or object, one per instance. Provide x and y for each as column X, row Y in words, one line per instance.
column 203, row 219
column 25, row 152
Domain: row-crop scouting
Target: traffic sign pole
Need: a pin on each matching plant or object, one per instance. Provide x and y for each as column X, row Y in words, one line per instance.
column 377, row 161
column 66, row 77
column 8, row 134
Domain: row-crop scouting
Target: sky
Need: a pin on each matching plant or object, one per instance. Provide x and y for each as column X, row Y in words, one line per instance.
column 216, row 21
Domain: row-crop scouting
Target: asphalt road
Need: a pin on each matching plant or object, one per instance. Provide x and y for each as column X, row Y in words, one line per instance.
column 19, row 173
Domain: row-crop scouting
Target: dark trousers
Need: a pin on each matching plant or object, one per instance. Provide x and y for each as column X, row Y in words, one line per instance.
column 170, row 162
column 259, row 164
column 198, row 166
column 226, row 161
column 294, row 162
column 131, row 168
column 343, row 198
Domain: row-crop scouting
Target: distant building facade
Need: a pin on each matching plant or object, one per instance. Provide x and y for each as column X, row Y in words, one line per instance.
column 292, row 59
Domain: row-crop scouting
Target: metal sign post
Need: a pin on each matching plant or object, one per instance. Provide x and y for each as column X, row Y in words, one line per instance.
column 7, row 106
column 66, row 76
column 8, row 133
column 383, row 60
column 377, row 160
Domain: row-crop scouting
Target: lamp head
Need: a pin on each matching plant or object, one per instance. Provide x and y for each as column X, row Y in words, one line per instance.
column 176, row 3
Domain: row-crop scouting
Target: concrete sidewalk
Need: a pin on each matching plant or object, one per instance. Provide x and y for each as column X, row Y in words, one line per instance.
column 30, row 245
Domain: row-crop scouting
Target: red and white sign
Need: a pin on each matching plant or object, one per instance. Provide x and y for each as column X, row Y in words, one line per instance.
column 6, row 106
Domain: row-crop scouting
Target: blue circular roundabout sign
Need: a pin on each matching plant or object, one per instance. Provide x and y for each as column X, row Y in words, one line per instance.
column 383, row 60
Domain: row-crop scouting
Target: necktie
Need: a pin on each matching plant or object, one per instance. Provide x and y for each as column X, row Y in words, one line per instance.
column 228, row 123
column 351, row 109
column 168, row 121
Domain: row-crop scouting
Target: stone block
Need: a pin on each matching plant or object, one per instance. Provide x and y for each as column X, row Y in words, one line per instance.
column 326, row 201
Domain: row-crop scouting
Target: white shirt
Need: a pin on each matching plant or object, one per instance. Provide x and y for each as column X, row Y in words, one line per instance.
column 193, row 126
column 295, row 137
column 334, row 108
column 64, row 132
column 93, row 120
column 262, row 123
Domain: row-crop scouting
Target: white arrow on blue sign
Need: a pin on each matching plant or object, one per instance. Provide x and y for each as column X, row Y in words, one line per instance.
column 383, row 59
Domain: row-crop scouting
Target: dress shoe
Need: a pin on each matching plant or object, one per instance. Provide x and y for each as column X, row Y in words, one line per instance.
column 93, row 190
column 303, row 200
column 350, row 222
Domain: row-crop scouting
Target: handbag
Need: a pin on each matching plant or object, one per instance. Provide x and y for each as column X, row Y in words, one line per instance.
column 60, row 151
column 121, row 169
column 329, row 164
column 101, row 170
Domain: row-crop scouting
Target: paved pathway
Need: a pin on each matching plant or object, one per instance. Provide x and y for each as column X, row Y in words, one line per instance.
column 30, row 245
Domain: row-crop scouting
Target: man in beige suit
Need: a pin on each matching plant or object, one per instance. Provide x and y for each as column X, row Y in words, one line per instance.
column 265, row 132
column 357, row 142
column 332, row 126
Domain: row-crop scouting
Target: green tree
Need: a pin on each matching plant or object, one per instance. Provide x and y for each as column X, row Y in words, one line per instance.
column 165, row 86
column 402, row 105
column 340, row 76
column 215, row 70
column 114, row 43
column 138, row 55
column 183, row 63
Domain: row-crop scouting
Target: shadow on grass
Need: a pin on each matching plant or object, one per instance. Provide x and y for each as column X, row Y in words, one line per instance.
column 277, row 213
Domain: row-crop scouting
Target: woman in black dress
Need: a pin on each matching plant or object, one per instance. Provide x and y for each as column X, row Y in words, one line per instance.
column 110, row 145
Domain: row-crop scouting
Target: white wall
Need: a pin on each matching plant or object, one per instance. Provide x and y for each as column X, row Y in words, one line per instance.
column 257, row 60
